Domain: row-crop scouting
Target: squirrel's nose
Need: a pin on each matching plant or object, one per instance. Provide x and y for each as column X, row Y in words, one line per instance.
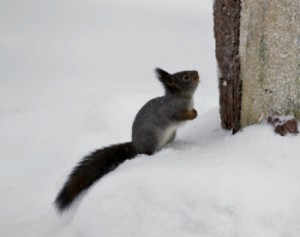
column 195, row 75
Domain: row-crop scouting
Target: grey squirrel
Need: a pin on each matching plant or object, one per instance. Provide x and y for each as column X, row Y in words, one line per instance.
column 154, row 126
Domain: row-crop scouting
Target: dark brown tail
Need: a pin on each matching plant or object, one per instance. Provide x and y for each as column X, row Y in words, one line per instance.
column 90, row 169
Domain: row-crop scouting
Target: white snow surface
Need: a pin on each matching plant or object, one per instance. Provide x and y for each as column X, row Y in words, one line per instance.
column 74, row 74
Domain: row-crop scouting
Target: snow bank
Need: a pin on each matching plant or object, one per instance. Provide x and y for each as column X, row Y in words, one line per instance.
column 75, row 74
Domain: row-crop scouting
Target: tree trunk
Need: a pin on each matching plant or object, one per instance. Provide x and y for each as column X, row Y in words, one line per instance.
column 258, row 56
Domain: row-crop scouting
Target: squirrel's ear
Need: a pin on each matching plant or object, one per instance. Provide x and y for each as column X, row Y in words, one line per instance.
column 161, row 73
column 165, row 77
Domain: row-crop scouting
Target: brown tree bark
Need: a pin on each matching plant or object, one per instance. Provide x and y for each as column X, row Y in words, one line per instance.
column 227, row 33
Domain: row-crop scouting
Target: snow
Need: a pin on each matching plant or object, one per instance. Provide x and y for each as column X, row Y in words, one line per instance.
column 73, row 75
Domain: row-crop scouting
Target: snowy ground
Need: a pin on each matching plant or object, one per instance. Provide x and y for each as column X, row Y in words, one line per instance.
column 73, row 75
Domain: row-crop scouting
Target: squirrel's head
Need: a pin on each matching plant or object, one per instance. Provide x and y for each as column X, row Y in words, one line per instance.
column 181, row 83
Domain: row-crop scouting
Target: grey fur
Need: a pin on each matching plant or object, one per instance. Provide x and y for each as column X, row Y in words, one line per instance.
column 156, row 123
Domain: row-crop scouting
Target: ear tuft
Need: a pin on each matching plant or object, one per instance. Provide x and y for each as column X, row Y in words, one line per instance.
column 161, row 74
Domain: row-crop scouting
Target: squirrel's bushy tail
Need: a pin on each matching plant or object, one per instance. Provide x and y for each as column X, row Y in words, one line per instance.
column 90, row 169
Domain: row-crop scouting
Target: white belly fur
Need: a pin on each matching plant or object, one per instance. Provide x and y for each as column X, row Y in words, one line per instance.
column 168, row 133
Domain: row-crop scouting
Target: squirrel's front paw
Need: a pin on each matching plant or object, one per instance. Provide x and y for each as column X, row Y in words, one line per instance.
column 190, row 114
column 194, row 114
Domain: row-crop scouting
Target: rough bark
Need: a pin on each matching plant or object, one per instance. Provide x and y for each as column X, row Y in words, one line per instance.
column 258, row 56
column 270, row 59
column 227, row 33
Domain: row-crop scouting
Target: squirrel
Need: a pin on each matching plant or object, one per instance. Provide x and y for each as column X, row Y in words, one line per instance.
column 154, row 126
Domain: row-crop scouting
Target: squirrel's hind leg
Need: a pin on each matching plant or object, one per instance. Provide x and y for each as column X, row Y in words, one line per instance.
column 146, row 143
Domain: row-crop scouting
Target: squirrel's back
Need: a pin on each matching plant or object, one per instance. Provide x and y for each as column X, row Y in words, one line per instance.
column 157, row 116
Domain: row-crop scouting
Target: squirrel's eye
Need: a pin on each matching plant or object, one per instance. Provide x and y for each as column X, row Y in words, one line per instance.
column 186, row 78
